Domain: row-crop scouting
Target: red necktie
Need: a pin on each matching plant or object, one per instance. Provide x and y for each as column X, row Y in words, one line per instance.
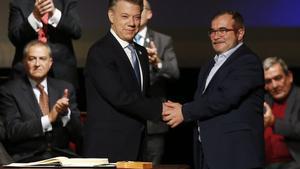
column 43, row 31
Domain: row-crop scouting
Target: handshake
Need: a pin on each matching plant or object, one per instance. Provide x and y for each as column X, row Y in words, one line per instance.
column 172, row 113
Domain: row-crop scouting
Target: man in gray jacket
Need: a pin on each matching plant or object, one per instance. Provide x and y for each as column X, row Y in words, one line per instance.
column 163, row 69
column 281, row 118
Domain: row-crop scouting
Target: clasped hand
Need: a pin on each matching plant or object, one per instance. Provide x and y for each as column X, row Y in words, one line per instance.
column 61, row 106
column 172, row 113
column 41, row 7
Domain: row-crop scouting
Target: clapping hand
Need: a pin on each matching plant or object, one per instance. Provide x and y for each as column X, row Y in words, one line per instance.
column 61, row 106
column 152, row 54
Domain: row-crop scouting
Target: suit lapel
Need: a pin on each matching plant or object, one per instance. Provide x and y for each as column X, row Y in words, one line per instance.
column 203, row 76
column 291, row 102
column 122, row 57
column 53, row 93
column 27, row 92
column 144, row 66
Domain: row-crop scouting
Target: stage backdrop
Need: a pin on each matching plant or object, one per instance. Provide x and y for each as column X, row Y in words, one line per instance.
column 273, row 27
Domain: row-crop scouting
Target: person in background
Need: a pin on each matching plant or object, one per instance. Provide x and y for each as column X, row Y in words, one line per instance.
column 117, row 80
column 163, row 69
column 40, row 113
column 228, row 103
column 62, row 26
column 282, row 116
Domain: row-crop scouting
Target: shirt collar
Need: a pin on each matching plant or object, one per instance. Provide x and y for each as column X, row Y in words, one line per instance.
column 143, row 32
column 226, row 54
column 123, row 43
column 34, row 83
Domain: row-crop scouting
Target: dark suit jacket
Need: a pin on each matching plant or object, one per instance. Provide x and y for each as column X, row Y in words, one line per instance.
column 4, row 156
column 230, row 112
column 60, row 38
column 160, row 78
column 289, row 126
column 25, row 136
column 116, row 107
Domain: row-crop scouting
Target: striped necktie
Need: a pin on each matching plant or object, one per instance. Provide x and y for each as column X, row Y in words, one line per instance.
column 135, row 63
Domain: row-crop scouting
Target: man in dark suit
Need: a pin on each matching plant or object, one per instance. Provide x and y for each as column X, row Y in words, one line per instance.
column 39, row 121
column 282, row 116
column 228, row 103
column 63, row 26
column 163, row 69
column 117, row 80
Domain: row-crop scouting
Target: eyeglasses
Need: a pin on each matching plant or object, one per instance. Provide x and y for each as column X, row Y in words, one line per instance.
column 220, row 31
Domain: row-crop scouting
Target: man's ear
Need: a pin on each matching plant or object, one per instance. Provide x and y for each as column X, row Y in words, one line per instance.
column 51, row 62
column 290, row 76
column 149, row 14
column 241, row 33
column 111, row 15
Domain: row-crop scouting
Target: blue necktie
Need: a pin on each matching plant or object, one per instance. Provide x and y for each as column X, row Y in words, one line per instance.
column 135, row 63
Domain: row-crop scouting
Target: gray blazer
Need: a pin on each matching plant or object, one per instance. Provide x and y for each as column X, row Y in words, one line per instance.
column 289, row 126
column 159, row 77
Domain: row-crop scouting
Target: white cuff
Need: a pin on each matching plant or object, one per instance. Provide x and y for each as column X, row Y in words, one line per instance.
column 54, row 20
column 46, row 124
column 65, row 119
column 35, row 24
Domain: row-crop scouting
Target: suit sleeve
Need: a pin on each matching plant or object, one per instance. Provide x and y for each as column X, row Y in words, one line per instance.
column 19, row 29
column 288, row 129
column 69, row 24
column 244, row 76
column 103, row 72
column 16, row 128
column 168, row 58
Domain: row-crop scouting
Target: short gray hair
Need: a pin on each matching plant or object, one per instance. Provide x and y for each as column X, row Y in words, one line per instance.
column 270, row 61
column 36, row 43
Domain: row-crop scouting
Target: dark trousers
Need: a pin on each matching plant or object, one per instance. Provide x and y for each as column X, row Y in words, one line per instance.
column 200, row 161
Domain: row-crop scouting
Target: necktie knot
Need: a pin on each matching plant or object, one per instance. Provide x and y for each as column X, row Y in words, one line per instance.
column 130, row 47
column 40, row 87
